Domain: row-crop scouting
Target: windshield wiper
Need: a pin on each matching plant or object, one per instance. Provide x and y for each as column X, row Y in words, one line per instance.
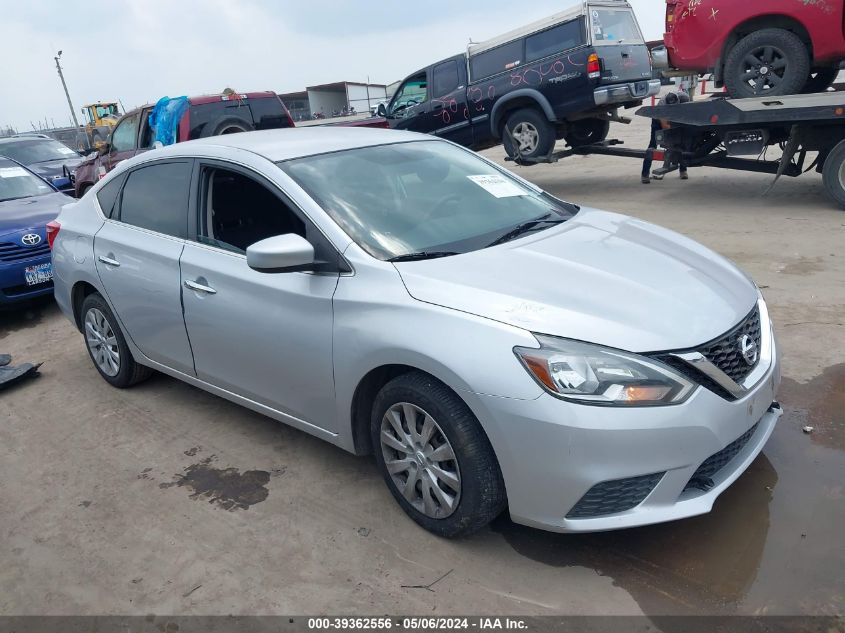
column 525, row 227
column 413, row 257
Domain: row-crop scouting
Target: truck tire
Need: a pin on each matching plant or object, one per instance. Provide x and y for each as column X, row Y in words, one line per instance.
column 768, row 62
column 820, row 80
column 587, row 132
column 226, row 125
column 534, row 135
column 833, row 173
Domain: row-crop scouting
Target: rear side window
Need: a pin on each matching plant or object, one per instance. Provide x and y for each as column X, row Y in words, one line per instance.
column 268, row 113
column 107, row 195
column 497, row 60
column 554, row 40
column 211, row 113
column 156, row 198
column 445, row 78
column 615, row 26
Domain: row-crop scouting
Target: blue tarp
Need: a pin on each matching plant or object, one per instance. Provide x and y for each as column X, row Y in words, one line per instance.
column 165, row 116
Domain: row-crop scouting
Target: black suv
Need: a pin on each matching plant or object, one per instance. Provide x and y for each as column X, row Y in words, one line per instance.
column 562, row 77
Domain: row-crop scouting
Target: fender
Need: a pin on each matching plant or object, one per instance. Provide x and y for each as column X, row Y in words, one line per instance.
column 530, row 93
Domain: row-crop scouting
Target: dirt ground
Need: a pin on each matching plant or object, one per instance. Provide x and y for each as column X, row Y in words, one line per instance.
column 165, row 499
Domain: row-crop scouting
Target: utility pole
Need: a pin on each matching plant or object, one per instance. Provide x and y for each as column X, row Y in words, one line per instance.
column 67, row 94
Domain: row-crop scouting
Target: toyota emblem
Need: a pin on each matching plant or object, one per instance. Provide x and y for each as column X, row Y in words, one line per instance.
column 31, row 239
column 748, row 349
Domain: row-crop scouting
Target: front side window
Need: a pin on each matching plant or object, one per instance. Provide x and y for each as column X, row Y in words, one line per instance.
column 125, row 134
column 17, row 182
column 615, row 26
column 424, row 196
column 497, row 60
column 413, row 92
column 156, row 198
column 237, row 212
column 445, row 78
column 554, row 40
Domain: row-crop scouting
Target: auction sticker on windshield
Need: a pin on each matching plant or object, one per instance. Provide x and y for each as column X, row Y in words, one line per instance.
column 12, row 172
column 38, row 274
column 498, row 186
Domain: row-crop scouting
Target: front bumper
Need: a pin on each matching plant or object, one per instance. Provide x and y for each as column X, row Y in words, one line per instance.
column 622, row 93
column 13, row 287
column 553, row 452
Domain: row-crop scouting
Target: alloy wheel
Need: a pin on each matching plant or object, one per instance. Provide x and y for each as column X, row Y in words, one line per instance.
column 420, row 460
column 527, row 136
column 102, row 342
column 763, row 69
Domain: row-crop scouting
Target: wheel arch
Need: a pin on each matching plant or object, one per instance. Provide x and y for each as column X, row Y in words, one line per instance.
column 516, row 100
column 767, row 21
column 80, row 290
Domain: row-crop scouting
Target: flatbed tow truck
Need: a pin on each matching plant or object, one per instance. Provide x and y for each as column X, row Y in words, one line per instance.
column 724, row 133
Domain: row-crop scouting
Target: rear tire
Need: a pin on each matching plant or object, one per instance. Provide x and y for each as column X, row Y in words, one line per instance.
column 820, row 80
column 765, row 63
column 833, row 173
column 586, row 132
column 106, row 345
column 435, row 443
column 531, row 130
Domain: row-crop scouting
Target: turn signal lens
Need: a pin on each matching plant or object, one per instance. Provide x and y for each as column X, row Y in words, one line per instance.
column 593, row 66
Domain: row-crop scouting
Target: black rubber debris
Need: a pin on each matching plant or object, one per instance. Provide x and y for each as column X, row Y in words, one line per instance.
column 11, row 374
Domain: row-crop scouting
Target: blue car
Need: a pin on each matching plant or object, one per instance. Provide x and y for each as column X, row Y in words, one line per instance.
column 27, row 204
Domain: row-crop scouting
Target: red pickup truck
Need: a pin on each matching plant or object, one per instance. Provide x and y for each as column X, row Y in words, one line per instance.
column 758, row 47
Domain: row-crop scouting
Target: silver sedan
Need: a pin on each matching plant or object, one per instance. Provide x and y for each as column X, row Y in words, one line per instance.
column 395, row 294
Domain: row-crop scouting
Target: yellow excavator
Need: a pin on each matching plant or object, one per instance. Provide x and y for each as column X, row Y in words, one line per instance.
column 100, row 118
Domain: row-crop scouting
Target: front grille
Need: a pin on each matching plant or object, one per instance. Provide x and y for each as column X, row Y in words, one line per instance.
column 702, row 477
column 10, row 252
column 726, row 354
column 610, row 497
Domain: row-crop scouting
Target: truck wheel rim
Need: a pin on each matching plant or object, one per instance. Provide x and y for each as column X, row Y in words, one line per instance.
column 763, row 69
column 102, row 342
column 420, row 460
column 526, row 136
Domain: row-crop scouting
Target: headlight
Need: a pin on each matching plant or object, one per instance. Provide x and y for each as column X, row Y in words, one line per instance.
column 596, row 375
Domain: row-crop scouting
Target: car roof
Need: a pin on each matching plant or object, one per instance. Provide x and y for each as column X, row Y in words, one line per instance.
column 288, row 143
column 24, row 139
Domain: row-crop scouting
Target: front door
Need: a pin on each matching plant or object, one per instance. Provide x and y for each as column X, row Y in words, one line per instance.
column 264, row 336
column 408, row 110
column 136, row 253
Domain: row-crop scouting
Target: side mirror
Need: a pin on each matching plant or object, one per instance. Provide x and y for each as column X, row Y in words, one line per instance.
column 281, row 253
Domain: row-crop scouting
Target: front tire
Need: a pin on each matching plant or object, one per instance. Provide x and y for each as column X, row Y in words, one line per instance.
column 767, row 62
column 435, row 457
column 528, row 134
column 107, row 346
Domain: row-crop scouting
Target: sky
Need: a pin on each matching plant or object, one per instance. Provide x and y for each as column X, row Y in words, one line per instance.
column 139, row 50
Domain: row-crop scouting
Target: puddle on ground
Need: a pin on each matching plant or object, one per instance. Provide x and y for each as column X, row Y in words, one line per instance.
column 226, row 487
column 772, row 544
column 27, row 315
column 819, row 403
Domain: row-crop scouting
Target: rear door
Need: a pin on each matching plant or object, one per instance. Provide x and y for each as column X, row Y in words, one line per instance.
column 137, row 252
column 618, row 41
column 449, row 107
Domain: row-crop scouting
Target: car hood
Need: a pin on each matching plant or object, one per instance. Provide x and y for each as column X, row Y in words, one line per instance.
column 600, row 277
column 30, row 213
column 52, row 168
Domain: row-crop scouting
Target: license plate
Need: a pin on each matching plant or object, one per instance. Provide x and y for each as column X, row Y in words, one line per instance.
column 38, row 274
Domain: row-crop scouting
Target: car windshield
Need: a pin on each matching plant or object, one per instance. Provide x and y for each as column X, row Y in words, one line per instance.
column 423, row 197
column 17, row 182
column 32, row 151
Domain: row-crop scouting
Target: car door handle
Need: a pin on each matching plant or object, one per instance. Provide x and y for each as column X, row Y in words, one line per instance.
column 193, row 285
column 108, row 261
